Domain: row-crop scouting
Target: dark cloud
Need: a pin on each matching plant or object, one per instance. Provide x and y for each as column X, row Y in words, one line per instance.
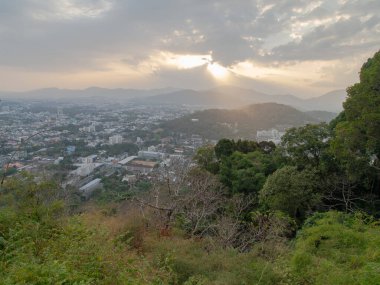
column 341, row 39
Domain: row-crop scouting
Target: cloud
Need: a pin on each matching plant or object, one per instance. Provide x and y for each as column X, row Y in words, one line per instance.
column 133, row 37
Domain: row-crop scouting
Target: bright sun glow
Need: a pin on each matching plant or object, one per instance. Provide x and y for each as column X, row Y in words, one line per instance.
column 218, row 71
column 186, row 61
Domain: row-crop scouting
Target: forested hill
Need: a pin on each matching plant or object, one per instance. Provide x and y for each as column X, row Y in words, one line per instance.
column 240, row 123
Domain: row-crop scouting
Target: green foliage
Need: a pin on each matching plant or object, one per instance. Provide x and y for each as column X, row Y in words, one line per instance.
column 306, row 145
column 291, row 191
column 355, row 146
column 118, row 149
column 240, row 123
column 113, row 190
column 267, row 147
column 9, row 172
column 224, row 148
column 246, row 173
column 246, row 146
column 337, row 248
column 40, row 245
column 192, row 265
column 357, row 137
column 206, row 159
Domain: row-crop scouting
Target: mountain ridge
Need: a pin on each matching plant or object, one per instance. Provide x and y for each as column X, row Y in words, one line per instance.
column 217, row 97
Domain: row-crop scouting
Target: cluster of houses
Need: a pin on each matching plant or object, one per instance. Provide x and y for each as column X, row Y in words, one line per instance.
column 145, row 165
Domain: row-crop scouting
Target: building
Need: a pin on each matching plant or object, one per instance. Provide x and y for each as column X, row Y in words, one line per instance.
column 152, row 148
column 86, row 169
column 272, row 135
column 127, row 160
column 89, row 159
column 116, row 139
column 70, row 149
column 141, row 166
column 87, row 189
column 89, row 129
column 150, row 154
column 59, row 113
column 196, row 140
column 130, row 179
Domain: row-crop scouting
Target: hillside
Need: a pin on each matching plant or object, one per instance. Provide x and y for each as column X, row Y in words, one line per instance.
column 322, row 116
column 245, row 122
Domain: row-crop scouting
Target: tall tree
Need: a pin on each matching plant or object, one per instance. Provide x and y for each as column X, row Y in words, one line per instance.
column 357, row 133
column 292, row 191
column 246, row 173
column 224, row 148
column 305, row 146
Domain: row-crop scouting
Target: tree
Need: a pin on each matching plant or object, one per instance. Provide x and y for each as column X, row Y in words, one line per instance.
column 292, row 191
column 224, row 148
column 356, row 142
column 267, row 146
column 306, row 145
column 201, row 204
column 246, row 146
column 246, row 173
column 190, row 194
column 206, row 159
column 361, row 122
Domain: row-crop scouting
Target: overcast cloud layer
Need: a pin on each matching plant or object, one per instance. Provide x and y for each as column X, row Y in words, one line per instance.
column 294, row 46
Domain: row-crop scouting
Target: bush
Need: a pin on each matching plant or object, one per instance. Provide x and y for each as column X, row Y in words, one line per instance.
column 337, row 248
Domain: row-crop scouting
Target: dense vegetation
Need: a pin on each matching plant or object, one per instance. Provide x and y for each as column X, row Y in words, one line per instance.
column 219, row 123
column 305, row 212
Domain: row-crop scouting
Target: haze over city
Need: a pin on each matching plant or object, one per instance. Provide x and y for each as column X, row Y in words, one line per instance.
column 305, row 48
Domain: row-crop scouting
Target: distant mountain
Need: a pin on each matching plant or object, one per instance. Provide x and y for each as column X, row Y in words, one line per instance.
column 203, row 99
column 331, row 101
column 220, row 97
column 239, row 123
column 234, row 97
column 322, row 116
column 89, row 95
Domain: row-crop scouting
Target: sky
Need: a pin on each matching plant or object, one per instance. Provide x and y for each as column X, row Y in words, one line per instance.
column 296, row 47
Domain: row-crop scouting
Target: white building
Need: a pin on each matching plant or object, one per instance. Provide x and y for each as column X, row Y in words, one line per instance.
column 89, row 159
column 131, row 179
column 269, row 135
column 127, row 160
column 86, row 169
column 116, row 139
column 152, row 148
column 89, row 129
